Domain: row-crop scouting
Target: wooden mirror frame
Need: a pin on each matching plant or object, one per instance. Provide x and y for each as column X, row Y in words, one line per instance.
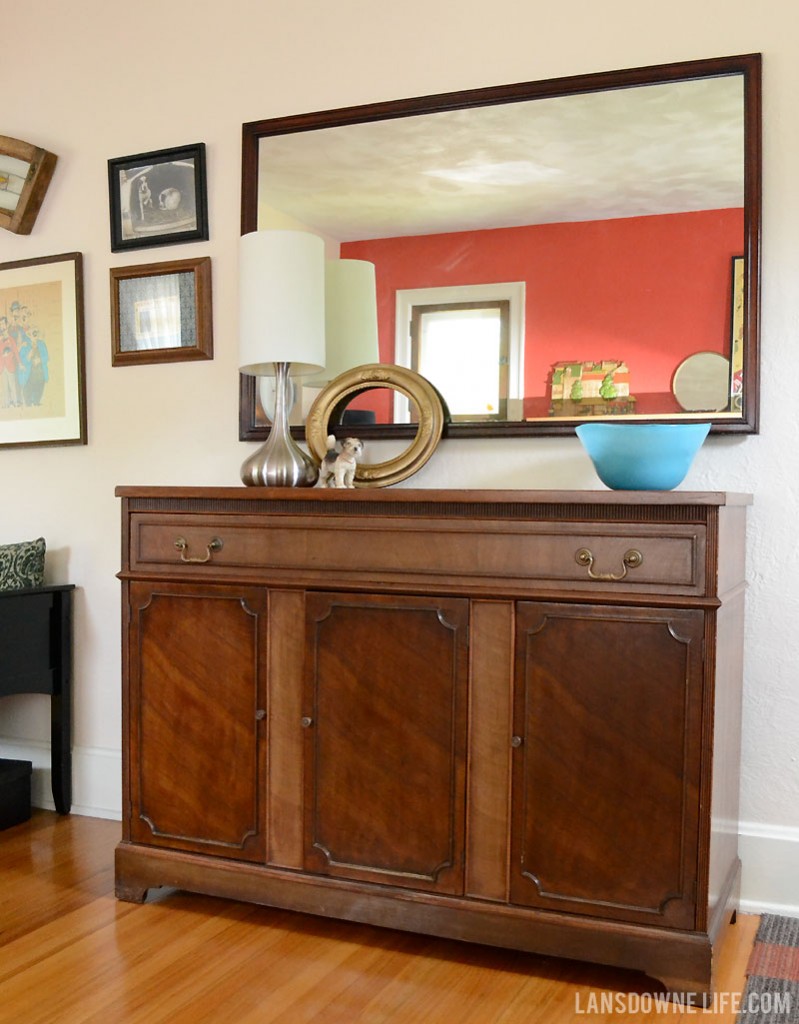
column 252, row 425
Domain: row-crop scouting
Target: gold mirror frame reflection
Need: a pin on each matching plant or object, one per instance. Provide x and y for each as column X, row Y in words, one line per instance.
column 397, row 378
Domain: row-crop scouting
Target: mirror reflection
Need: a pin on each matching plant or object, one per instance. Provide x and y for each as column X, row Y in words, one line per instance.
column 544, row 253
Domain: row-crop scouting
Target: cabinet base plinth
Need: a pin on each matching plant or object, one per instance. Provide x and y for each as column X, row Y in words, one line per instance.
column 680, row 960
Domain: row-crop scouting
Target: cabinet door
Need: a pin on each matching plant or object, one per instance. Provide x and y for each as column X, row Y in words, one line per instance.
column 385, row 707
column 196, row 710
column 607, row 723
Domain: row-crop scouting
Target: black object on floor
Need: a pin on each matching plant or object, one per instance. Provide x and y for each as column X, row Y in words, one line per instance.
column 15, row 792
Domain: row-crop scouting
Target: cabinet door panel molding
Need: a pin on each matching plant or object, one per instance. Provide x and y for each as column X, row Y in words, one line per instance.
column 385, row 751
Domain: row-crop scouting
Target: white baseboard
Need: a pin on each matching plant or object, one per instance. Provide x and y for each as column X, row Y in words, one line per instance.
column 96, row 777
column 769, row 853
column 770, row 876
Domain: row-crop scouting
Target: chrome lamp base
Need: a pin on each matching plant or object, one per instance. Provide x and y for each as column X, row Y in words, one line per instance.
column 280, row 462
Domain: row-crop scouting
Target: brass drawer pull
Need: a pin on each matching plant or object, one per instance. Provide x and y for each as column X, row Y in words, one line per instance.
column 182, row 545
column 631, row 560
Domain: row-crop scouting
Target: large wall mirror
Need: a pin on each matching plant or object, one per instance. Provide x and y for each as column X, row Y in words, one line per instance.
column 545, row 252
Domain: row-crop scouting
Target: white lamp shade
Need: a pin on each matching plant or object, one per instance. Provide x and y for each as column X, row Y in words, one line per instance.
column 281, row 302
column 350, row 318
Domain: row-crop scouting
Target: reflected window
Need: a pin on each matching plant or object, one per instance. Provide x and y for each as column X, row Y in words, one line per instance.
column 468, row 341
column 462, row 348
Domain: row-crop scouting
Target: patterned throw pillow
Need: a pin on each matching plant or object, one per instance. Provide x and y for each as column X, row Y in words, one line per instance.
column 22, row 565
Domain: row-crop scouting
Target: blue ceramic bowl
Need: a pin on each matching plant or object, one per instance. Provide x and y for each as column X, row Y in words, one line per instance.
column 642, row 456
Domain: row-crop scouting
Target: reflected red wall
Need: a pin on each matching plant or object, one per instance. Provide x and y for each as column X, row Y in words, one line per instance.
column 650, row 290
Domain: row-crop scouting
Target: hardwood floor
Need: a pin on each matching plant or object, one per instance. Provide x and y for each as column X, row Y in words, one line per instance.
column 72, row 954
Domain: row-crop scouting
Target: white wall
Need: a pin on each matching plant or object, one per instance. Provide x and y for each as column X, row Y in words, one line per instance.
column 95, row 80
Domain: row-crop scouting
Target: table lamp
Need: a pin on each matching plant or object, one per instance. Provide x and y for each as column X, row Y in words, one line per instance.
column 350, row 326
column 281, row 332
column 350, row 319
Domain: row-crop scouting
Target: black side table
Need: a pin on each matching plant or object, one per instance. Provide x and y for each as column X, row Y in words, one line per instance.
column 36, row 657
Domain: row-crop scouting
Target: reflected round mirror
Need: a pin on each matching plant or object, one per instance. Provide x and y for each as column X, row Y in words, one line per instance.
column 702, row 382
column 546, row 252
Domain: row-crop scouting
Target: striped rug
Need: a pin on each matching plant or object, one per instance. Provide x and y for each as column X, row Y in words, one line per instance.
column 771, row 995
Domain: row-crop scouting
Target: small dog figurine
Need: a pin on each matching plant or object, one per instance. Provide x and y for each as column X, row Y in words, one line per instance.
column 338, row 467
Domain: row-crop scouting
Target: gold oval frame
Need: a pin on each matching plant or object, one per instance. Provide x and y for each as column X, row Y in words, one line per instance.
column 397, row 378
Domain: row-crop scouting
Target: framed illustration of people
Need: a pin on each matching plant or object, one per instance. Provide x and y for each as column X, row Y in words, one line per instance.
column 42, row 380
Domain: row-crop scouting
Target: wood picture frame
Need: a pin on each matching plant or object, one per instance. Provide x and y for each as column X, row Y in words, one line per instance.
column 42, row 372
column 158, row 198
column 25, row 173
column 162, row 312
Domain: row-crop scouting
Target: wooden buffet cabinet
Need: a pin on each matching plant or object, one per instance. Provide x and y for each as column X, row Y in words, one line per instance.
column 508, row 717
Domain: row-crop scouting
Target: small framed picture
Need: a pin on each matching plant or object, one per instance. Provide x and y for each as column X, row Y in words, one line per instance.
column 158, row 198
column 737, row 320
column 42, row 377
column 161, row 312
column 25, row 173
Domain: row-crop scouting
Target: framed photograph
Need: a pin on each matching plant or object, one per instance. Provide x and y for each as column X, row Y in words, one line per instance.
column 737, row 320
column 158, row 198
column 42, row 378
column 25, row 173
column 161, row 312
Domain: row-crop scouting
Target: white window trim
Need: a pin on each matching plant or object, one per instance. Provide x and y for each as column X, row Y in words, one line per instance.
column 512, row 292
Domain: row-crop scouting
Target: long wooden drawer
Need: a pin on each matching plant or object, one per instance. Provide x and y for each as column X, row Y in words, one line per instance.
column 487, row 556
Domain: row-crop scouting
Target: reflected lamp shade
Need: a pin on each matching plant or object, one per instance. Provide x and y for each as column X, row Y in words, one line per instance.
column 350, row 319
column 281, row 302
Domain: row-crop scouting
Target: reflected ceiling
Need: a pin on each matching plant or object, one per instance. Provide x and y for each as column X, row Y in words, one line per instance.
column 665, row 148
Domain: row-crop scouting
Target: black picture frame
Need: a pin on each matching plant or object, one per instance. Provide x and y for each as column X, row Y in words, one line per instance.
column 158, row 198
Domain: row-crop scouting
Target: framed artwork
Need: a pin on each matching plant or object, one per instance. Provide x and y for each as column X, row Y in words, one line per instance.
column 158, row 198
column 737, row 336
column 42, row 377
column 25, row 173
column 161, row 312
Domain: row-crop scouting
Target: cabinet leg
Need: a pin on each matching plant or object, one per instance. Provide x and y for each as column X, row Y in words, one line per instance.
column 61, row 706
column 685, row 993
column 61, row 753
column 129, row 891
